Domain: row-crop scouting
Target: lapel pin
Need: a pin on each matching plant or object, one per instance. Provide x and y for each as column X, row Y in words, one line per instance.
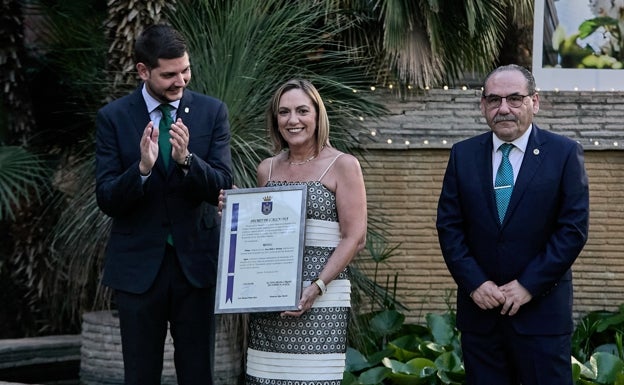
column 536, row 151
column 186, row 110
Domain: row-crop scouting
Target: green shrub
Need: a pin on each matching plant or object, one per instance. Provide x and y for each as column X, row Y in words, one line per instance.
column 394, row 353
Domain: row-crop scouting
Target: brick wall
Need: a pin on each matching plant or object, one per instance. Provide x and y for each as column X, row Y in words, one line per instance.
column 403, row 180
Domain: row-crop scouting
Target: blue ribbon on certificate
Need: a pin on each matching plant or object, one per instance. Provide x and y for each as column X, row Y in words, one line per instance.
column 229, row 293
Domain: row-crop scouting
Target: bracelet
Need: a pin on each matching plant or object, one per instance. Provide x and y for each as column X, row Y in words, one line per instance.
column 321, row 285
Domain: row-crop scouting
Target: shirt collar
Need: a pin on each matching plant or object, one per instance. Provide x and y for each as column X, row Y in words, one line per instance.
column 152, row 103
column 521, row 143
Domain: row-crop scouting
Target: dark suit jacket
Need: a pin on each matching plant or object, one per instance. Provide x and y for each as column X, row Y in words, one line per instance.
column 543, row 232
column 168, row 202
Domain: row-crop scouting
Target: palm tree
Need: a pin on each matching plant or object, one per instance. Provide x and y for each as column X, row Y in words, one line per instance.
column 81, row 222
column 15, row 93
column 241, row 50
column 24, row 184
column 22, row 174
column 65, row 54
column 424, row 43
column 125, row 21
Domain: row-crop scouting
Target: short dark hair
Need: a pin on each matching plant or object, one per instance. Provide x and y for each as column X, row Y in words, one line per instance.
column 159, row 41
column 531, row 88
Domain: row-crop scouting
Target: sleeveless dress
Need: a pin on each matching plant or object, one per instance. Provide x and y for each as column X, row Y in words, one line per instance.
column 311, row 349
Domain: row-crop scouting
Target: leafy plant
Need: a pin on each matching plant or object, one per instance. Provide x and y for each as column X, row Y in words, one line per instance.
column 374, row 294
column 401, row 353
column 597, row 354
column 395, row 353
column 241, row 51
column 24, row 184
column 23, row 176
column 598, row 43
column 423, row 42
column 369, row 292
column 599, row 330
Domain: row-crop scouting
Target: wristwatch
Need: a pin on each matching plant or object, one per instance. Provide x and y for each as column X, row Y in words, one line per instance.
column 187, row 161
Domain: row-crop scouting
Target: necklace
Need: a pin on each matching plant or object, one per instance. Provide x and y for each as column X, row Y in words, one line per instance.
column 302, row 162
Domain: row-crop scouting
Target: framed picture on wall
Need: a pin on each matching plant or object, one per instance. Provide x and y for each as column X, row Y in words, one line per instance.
column 577, row 45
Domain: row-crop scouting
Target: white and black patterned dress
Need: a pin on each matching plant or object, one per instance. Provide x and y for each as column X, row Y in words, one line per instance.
column 306, row 350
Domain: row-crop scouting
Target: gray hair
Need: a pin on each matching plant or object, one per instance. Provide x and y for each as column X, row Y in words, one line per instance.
column 514, row 67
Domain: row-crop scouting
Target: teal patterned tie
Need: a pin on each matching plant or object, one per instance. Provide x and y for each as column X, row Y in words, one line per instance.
column 163, row 138
column 503, row 185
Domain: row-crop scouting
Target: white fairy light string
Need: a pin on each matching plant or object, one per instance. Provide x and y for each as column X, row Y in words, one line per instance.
column 445, row 143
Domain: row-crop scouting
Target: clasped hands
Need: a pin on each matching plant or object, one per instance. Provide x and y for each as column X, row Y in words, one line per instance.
column 511, row 296
column 149, row 145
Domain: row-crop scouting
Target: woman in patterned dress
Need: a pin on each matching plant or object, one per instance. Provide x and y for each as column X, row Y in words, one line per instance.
column 308, row 346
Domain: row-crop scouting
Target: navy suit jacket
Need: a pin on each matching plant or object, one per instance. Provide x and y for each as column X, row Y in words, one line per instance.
column 169, row 202
column 544, row 230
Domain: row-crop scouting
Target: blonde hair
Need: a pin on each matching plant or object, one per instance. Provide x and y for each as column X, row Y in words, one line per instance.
column 322, row 120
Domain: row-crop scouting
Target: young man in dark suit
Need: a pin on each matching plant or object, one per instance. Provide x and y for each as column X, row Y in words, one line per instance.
column 510, row 237
column 162, row 155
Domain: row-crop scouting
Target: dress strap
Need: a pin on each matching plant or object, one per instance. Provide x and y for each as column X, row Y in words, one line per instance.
column 331, row 164
column 270, row 167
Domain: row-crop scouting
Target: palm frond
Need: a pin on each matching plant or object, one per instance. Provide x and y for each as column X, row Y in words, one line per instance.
column 522, row 12
column 426, row 42
column 70, row 51
column 77, row 245
column 22, row 176
column 241, row 51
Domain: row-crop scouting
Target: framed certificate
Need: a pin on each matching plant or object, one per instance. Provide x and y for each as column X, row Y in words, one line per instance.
column 261, row 249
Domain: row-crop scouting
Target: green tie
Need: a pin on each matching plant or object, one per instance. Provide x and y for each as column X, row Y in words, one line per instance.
column 163, row 138
column 163, row 141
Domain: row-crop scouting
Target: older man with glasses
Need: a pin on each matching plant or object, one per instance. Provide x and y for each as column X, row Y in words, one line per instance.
column 512, row 219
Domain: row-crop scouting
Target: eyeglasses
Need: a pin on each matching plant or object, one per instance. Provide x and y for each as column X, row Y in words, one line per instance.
column 494, row 101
